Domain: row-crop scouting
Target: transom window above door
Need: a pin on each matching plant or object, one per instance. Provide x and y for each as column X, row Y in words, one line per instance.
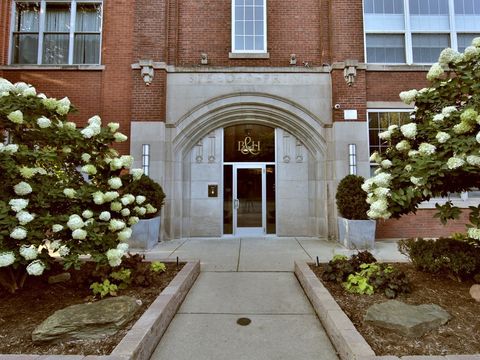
column 249, row 26
column 56, row 32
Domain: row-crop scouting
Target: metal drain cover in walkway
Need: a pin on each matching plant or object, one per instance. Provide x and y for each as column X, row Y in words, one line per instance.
column 244, row 321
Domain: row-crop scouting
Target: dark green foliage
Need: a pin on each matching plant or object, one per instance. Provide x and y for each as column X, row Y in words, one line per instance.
column 150, row 189
column 390, row 280
column 454, row 258
column 351, row 199
column 363, row 257
column 338, row 270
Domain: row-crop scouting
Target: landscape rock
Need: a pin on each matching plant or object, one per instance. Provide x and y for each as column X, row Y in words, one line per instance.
column 475, row 292
column 63, row 277
column 87, row 321
column 409, row 320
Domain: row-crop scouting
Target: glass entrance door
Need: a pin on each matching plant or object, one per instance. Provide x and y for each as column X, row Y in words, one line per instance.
column 249, row 200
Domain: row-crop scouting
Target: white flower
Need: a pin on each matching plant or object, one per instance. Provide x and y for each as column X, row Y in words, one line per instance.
column 474, row 233
column 113, row 126
column 447, row 56
column 379, row 206
column 24, row 217
column 7, row 258
column 462, row 128
column 105, row 216
column 55, row 244
column 22, row 188
column 6, row 86
column 50, row 103
column 140, row 199
column 69, row 192
column 98, row 198
column 57, row 228
column 471, row 52
column 416, row 180
column 116, row 225
column 125, row 234
column 79, row 234
column 413, row 153
column 435, row 72
column 119, row 137
column 383, row 179
column 63, row 251
column 150, row 209
column 442, row 137
column 115, row 183
column 447, row 111
column 35, row 268
column 127, row 199
column 95, row 120
column 18, row 204
column 89, row 222
column 438, row 117
column 86, row 157
column 408, row 97
column 116, row 164
column 140, row 210
column 426, row 149
column 386, row 164
column 455, row 162
column 87, row 132
column 133, row 220
column 136, row 173
column 367, row 185
column 473, row 160
column 42, row 96
column 123, row 246
column 75, row 222
column 18, row 233
column 392, row 128
column 409, row 130
column 89, row 169
column 27, row 172
column 114, row 257
column 116, row 206
column 20, row 87
column 16, row 117
column 87, row 214
column 408, row 168
column 385, row 135
column 28, row 252
column 67, row 149
column 70, row 125
column 125, row 212
column 63, row 106
column 43, row 122
column 403, row 145
column 469, row 115
column 476, row 42
column 381, row 192
column 127, row 160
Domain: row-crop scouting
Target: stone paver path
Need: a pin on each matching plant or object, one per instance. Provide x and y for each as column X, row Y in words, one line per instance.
column 249, row 278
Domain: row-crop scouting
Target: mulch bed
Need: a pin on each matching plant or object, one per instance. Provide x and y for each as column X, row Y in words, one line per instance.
column 21, row 312
column 461, row 335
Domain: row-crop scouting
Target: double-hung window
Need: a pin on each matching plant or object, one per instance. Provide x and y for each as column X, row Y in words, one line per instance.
column 56, row 32
column 416, row 31
column 249, row 26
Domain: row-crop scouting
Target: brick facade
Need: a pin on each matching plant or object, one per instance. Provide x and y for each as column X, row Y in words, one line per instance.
column 176, row 32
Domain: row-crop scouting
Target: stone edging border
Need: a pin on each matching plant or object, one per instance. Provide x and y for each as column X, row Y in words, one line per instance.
column 141, row 340
column 348, row 342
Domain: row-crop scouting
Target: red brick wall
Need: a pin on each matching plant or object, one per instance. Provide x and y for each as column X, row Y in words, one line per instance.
column 205, row 26
column 5, row 6
column 385, row 86
column 149, row 102
column 349, row 97
column 423, row 224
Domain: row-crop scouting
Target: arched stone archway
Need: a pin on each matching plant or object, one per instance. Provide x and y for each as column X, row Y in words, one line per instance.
column 189, row 212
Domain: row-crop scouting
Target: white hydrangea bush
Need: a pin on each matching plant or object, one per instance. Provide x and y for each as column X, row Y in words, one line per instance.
column 61, row 194
column 438, row 152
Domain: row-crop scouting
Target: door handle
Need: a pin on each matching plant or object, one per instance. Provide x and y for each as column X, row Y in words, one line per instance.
column 236, row 203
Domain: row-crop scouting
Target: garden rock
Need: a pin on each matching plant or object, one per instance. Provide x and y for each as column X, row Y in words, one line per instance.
column 408, row 320
column 475, row 292
column 87, row 321
column 63, row 277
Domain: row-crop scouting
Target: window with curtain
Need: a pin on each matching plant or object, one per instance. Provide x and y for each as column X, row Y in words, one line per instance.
column 249, row 26
column 47, row 32
column 416, row 31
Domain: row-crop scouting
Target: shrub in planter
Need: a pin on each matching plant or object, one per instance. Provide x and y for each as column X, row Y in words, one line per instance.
column 151, row 190
column 455, row 258
column 351, row 199
column 61, row 195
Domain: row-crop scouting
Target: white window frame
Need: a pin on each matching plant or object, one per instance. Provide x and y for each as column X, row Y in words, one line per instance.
column 407, row 32
column 41, row 29
column 264, row 51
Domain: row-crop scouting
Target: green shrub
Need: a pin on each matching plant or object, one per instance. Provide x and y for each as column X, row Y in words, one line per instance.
column 340, row 267
column 351, row 199
column 454, row 258
column 151, row 190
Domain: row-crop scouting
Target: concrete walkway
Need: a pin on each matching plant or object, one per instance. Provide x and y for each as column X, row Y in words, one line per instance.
column 249, row 278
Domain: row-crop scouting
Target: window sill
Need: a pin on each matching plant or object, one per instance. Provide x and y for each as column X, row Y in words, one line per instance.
column 54, row 67
column 397, row 67
column 249, row 55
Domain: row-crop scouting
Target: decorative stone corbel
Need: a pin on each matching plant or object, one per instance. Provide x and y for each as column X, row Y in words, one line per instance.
column 350, row 71
column 146, row 71
column 204, row 58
